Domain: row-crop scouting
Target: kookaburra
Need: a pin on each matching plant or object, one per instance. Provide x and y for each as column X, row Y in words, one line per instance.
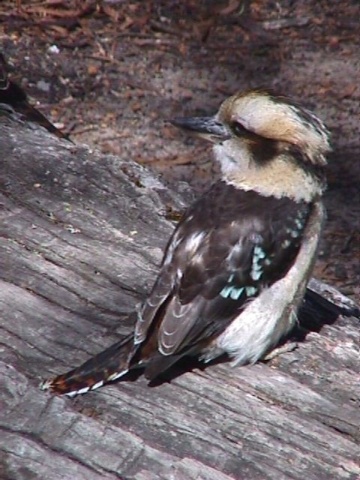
column 236, row 267
column 14, row 99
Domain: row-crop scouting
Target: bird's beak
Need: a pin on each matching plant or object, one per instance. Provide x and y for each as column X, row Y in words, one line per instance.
column 207, row 127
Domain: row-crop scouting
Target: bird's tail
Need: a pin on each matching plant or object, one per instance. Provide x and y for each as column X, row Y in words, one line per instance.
column 108, row 365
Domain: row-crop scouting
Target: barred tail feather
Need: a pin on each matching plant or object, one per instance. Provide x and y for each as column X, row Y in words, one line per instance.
column 108, row 365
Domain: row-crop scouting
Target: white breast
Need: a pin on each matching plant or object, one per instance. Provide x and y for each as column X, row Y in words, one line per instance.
column 273, row 313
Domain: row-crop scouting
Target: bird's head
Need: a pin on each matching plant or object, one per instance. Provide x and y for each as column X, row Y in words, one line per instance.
column 266, row 142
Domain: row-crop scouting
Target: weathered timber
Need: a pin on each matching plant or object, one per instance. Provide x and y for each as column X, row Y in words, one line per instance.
column 81, row 240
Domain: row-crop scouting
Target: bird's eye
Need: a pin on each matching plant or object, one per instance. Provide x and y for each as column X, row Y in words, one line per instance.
column 238, row 129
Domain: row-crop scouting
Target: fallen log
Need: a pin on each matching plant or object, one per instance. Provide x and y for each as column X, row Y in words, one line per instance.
column 82, row 236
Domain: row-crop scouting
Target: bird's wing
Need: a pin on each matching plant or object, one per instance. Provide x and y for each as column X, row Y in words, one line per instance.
column 225, row 250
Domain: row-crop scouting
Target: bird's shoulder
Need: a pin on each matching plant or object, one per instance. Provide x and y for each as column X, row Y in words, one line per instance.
column 229, row 246
column 230, row 223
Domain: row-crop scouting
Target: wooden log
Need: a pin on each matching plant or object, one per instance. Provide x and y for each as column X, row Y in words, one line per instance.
column 82, row 236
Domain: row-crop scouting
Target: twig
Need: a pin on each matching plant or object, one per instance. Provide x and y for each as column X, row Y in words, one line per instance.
column 285, row 23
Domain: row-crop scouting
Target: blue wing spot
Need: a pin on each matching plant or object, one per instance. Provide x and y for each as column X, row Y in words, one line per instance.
column 256, row 269
column 225, row 292
column 286, row 244
column 256, row 274
column 236, row 293
column 299, row 223
column 232, row 292
column 294, row 233
column 250, row 291
column 259, row 252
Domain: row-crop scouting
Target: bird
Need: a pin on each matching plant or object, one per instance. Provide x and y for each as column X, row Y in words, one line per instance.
column 236, row 268
column 14, row 99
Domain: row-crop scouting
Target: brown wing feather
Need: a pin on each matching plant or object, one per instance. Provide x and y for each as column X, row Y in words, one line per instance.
column 207, row 274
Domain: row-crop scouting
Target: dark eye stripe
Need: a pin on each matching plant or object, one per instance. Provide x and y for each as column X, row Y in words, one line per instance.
column 238, row 129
